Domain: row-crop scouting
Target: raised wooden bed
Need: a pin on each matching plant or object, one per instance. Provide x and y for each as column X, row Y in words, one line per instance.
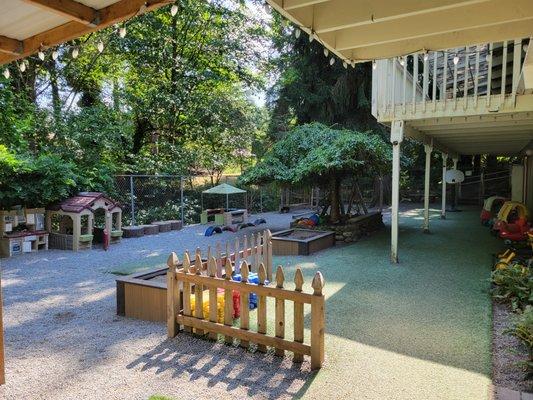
column 133, row 231
column 164, row 226
column 301, row 242
column 143, row 295
column 150, row 229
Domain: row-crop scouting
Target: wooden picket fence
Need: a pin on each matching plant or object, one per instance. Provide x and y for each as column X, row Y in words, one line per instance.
column 202, row 278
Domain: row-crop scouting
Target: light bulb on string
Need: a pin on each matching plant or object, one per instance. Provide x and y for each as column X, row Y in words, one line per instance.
column 402, row 61
column 332, row 61
column 297, row 33
column 122, row 32
column 40, row 54
column 6, row 73
column 100, row 46
column 326, row 52
column 455, row 60
column 345, row 65
column 174, row 10
column 487, row 57
column 374, row 64
column 353, row 64
column 426, row 56
column 266, row 7
column 22, row 67
column 524, row 48
column 311, row 37
column 55, row 54
column 75, row 52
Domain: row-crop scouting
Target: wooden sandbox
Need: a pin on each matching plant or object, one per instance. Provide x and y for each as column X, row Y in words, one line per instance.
column 301, row 242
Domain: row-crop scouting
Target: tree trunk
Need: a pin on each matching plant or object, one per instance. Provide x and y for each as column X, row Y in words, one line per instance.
column 335, row 198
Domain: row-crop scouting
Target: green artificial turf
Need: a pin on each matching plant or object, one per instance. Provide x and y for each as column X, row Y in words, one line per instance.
column 420, row 329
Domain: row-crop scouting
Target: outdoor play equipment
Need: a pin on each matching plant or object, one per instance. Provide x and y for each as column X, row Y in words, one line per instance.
column 22, row 230
column 491, row 207
column 71, row 222
column 211, row 230
column 515, row 232
column 510, row 212
column 224, row 216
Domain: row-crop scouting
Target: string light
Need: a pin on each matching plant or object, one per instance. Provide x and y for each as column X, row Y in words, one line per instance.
column 297, row 33
column 6, row 73
column 345, row 65
column 426, row 56
column 374, row 64
column 487, row 57
column 40, row 54
column 100, row 46
column 402, row 61
column 55, row 54
column 332, row 61
column 311, row 37
column 524, row 48
column 455, row 60
column 174, row 10
column 75, row 52
column 122, row 32
column 22, row 67
column 326, row 52
column 266, row 7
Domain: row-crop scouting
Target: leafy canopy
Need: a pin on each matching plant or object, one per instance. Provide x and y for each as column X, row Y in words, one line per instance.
column 314, row 154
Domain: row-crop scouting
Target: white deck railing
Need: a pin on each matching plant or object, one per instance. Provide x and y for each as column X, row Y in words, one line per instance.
column 483, row 78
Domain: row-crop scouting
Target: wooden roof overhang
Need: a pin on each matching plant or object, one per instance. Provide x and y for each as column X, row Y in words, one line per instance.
column 364, row 30
column 26, row 26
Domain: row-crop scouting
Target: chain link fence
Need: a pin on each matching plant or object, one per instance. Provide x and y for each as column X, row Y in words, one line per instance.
column 148, row 198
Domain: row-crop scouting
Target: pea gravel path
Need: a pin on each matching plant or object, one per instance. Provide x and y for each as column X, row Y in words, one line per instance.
column 418, row 331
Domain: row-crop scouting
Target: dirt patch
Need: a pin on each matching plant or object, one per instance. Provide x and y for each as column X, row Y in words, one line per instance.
column 507, row 352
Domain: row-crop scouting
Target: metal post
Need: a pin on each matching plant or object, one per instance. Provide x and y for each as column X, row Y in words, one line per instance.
column 261, row 199
column 181, row 202
column 380, row 194
column 444, row 166
column 428, row 148
column 132, row 196
column 396, row 139
column 456, row 187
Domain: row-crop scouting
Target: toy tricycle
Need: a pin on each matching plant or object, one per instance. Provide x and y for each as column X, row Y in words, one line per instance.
column 491, row 207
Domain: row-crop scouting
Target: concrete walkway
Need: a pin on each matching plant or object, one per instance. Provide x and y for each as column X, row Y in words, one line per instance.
column 420, row 330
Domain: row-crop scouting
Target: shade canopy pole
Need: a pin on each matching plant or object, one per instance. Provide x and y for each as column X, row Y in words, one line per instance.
column 428, row 148
column 396, row 138
column 444, row 166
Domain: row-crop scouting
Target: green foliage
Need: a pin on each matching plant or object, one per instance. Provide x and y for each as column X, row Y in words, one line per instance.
column 513, row 284
column 169, row 211
column 523, row 330
column 34, row 181
column 314, row 153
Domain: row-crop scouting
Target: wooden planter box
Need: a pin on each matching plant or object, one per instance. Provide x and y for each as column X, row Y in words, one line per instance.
column 301, row 242
column 133, row 231
column 143, row 295
column 164, row 226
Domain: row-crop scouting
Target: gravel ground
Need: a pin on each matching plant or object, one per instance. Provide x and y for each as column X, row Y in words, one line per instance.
column 63, row 339
column 507, row 353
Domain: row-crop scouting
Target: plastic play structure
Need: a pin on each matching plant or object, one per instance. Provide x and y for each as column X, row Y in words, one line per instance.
column 210, row 231
column 22, row 230
column 71, row 223
column 491, row 207
column 224, row 216
column 510, row 213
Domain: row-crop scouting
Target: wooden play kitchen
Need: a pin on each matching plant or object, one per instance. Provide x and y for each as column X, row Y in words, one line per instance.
column 301, row 242
column 22, row 231
column 143, row 295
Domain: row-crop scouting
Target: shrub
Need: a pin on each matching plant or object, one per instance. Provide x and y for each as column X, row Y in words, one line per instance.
column 523, row 330
column 513, row 284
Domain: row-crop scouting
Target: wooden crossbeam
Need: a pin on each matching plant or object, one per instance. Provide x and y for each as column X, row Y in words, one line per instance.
column 10, row 46
column 117, row 12
column 70, row 9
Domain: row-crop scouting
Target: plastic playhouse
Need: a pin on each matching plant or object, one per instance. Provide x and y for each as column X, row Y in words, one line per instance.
column 78, row 221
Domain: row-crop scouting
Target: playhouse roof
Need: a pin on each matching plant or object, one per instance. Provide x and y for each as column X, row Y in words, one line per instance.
column 224, row 188
column 83, row 201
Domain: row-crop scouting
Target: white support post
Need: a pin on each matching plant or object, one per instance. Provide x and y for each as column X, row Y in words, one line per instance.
column 396, row 138
column 428, row 148
column 444, row 166
column 455, row 160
